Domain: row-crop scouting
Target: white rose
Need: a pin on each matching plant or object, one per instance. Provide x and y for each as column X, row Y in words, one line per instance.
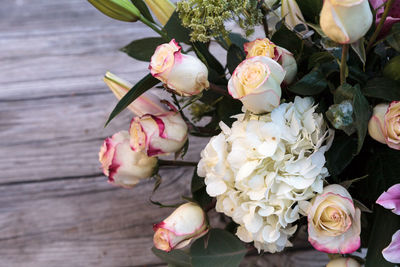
column 185, row 74
column 256, row 82
column 345, row 21
column 122, row 165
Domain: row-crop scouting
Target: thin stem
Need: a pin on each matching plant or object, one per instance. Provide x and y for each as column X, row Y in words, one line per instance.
column 219, row 90
column 265, row 22
column 162, row 162
column 343, row 65
column 154, row 27
column 378, row 29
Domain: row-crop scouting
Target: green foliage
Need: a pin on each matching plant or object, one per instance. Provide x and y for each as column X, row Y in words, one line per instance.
column 235, row 56
column 341, row 153
column 143, row 49
column 310, row 9
column 392, row 69
column 175, row 29
column 141, row 5
column 287, row 39
column 311, row 84
column 198, row 188
column 219, row 248
column 142, row 86
column 382, row 88
column 394, row 37
column 176, row 257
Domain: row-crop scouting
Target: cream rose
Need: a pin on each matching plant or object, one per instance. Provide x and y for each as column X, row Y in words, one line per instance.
column 256, row 82
column 158, row 135
column 333, row 221
column 384, row 125
column 345, row 21
column 188, row 222
column 185, row 74
column 122, row 165
column 343, row 262
column 264, row 47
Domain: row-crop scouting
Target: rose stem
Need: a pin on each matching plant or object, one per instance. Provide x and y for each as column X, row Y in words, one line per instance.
column 162, row 162
column 378, row 29
column 343, row 66
column 265, row 22
column 218, row 90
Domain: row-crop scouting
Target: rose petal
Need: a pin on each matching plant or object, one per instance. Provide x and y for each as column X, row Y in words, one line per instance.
column 392, row 252
column 391, row 199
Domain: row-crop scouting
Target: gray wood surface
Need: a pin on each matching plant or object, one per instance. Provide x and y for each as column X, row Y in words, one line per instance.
column 56, row 208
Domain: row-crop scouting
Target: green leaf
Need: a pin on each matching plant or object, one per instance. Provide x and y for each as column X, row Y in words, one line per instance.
column 175, row 29
column 143, row 49
column 175, row 257
column 385, row 224
column 359, row 48
column 341, row 153
column 360, row 106
column 394, row 37
column 143, row 9
column 310, row 9
column 392, row 69
column 382, row 88
column 142, row 86
column 287, row 39
column 319, row 58
column 202, row 52
column 362, row 115
column 235, row 56
column 311, row 84
column 238, row 39
column 222, row 249
column 198, row 188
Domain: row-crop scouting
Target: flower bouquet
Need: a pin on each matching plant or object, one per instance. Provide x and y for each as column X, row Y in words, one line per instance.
column 303, row 123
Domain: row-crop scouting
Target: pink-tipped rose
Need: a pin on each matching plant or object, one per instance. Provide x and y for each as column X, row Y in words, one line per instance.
column 123, row 166
column 188, row 222
column 264, row 47
column 384, row 125
column 185, row 74
column 256, row 82
column 392, row 18
column 147, row 103
column 333, row 221
column 391, row 200
column 158, row 135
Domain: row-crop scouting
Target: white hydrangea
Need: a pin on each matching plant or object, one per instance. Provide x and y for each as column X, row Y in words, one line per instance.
column 263, row 165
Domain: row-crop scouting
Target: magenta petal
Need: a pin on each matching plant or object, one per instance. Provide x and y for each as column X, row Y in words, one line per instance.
column 392, row 252
column 391, row 199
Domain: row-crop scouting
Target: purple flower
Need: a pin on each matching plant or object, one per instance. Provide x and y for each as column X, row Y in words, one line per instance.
column 392, row 18
column 391, row 200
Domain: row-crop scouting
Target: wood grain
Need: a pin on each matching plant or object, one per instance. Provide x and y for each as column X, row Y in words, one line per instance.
column 56, row 208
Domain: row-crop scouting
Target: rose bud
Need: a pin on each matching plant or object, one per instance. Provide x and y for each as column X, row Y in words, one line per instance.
column 345, row 21
column 343, row 262
column 123, row 166
column 188, row 222
column 185, row 74
column 256, row 82
column 122, row 10
column 384, row 125
column 333, row 221
column 147, row 103
column 158, row 135
column 264, row 47
column 291, row 12
column 162, row 9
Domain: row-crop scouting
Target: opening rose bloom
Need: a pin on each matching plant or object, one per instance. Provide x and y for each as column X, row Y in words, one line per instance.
column 188, row 222
column 185, row 74
column 264, row 47
column 391, row 200
column 158, row 135
column 333, row 221
column 256, row 82
column 384, row 125
column 123, row 166
column 343, row 262
column 345, row 21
